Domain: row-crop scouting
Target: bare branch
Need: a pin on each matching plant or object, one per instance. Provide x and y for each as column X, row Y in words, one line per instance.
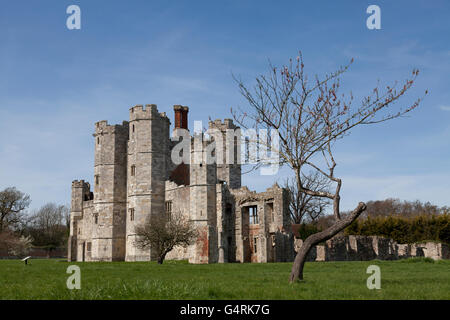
column 162, row 234
column 310, row 116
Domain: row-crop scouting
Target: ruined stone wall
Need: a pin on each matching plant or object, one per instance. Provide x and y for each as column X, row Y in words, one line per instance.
column 179, row 196
column 434, row 250
column 76, row 211
column 226, row 223
column 269, row 240
column 228, row 153
column 79, row 189
column 88, row 245
column 203, row 181
column 221, row 222
column 364, row 248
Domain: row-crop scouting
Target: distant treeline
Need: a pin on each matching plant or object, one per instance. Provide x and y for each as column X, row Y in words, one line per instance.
column 407, row 209
column 434, row 227
column 403, row 221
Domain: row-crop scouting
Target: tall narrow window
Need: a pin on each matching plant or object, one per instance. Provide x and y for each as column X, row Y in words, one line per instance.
column 97, row 180
column 253, row 214
column 255, row 249
column 131, row 214
column 228, row 213
column 133, row 170
column 270, row 212
column 98, row 140
column 169, row 210
column 96, row 218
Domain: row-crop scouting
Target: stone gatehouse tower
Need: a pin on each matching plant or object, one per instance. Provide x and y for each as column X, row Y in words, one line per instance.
column 135, row 178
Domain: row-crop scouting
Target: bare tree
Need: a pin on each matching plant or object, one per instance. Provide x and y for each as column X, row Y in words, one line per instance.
column 12, row 205
column 14, row 244
column 396, row 207
column 304, row 207
column 162, row 234
column 47, row 226
column 310, row 116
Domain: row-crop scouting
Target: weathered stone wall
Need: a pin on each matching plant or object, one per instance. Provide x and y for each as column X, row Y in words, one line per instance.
column 227, row 159
column 147, row 171
column 180, row 198
column 203, row 207
column 76, row 214
column 364, row 248
column 274, row 241
column 135, row 178
column 434, row 250
column 104, row 223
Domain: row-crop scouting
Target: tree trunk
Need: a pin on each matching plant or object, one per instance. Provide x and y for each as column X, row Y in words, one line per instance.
column 161, row 258
column 300, row 258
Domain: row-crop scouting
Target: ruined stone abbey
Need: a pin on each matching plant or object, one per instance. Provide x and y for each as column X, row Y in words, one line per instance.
column 135, row 178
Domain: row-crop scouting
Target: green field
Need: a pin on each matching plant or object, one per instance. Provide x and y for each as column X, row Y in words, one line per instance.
column 46, row 279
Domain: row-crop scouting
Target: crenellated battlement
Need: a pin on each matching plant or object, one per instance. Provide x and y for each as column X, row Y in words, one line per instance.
column 150, row 111
column 218, row 124
column 101, row 124
column 102, row 127
column 79, row 183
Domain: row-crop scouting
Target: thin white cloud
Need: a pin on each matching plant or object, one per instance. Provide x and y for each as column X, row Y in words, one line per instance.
column 445, row 108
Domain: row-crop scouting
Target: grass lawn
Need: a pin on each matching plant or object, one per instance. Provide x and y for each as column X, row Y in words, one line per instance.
column 46, row 279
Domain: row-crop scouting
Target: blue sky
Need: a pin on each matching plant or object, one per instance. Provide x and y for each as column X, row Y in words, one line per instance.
column 55, row 83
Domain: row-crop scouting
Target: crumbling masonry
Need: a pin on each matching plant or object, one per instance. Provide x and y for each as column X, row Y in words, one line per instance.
column 135, row 178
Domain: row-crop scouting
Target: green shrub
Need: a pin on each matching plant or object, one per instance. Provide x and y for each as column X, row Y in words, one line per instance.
column 417, row 259
column 305, row 230
column 404, row 230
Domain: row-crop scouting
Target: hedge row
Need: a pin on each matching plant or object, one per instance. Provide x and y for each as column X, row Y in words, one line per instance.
column 404, row 230
column 306, row 229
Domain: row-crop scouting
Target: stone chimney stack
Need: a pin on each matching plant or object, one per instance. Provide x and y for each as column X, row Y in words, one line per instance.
column 181, row 117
